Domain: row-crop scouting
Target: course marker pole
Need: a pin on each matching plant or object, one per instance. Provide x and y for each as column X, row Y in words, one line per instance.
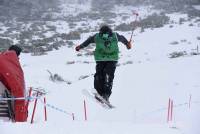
column 45, row 109
column 85, row 110
column 34, row 108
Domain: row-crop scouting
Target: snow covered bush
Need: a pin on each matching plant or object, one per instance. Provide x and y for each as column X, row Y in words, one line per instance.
column 73, row 35
column 5, row 43
column 177, row 54
column 154, row 21
column 123, row 27
column 174, row 43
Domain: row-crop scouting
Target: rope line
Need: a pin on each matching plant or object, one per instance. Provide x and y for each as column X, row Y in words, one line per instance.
column 56, row 108
column 165, row 108
column 19, row 98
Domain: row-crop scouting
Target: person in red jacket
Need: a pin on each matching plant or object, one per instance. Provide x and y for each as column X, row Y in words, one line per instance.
column 12, row 76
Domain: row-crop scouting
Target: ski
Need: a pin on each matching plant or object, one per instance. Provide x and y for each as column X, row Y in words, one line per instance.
column 101, row 99
column 97, row 98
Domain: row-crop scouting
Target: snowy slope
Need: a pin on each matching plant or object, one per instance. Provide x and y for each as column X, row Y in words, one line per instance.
column 144, row 81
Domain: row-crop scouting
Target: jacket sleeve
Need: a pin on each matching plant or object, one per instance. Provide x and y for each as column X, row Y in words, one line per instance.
column 88, row 41
column 122, row 39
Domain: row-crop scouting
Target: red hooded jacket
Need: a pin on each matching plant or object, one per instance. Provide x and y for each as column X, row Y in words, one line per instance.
column 12, row 76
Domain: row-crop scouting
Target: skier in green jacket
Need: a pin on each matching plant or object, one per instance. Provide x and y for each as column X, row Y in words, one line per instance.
column 106, row 56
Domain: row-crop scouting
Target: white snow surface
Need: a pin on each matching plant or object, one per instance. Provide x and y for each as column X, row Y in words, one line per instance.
column 144, row 81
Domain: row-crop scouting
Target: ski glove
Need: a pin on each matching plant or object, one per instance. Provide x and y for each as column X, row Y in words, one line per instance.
column 78, row 48
column 129, row 45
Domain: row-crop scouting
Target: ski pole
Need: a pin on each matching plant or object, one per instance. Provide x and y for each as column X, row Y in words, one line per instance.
column 134, row 24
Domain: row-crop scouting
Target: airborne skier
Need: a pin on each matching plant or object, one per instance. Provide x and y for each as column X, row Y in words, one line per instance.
column 106, row 56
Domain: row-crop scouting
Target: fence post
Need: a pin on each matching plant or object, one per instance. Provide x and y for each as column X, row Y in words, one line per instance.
column 34, row 108
column 190, row 101
column 29, row 95
column 171, row 113
column 45, row 109
column 73, row 118
column 85, row 110
column 170, row 110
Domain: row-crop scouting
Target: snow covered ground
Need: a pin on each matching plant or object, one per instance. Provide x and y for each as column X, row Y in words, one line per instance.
column 144, row 81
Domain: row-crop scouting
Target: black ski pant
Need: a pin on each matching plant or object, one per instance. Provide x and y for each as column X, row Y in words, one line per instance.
column 103, row 78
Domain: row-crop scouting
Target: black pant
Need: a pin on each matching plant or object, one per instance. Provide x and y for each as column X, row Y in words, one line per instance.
column 103, row 78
